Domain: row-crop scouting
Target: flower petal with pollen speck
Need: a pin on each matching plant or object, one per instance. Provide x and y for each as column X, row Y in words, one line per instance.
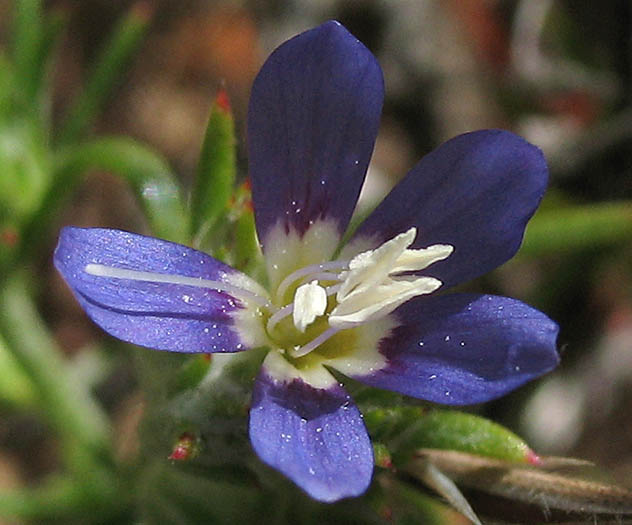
column 158, row 315
column 476, row 193
column 464, row 348
column 314, row 436
column 312, row 122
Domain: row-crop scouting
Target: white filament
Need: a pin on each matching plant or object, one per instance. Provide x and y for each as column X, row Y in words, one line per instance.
column 280, row 314
column 314, row 343
column 307, row 271
column 100, row 270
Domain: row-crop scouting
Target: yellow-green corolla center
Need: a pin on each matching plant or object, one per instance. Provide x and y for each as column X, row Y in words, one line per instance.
column 287, row 337
column 320, row 308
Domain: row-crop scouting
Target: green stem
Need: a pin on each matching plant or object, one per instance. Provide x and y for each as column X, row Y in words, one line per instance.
column 63, row 499
column 54, row 24
column 71, row 411
column 27, row 39
column 16, row 387
column 423, row 507
column 54, row 499
column 107, row 70
column 147, row 173
column 578, row 227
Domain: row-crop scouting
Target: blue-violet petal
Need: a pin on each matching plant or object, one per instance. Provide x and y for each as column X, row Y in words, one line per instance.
column 158, row 315
column 314, row 436
column 465, row 348
column 476, row 192
column 312, row 122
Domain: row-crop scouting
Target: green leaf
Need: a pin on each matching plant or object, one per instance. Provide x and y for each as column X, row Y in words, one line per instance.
column 53, row 25
column 15, row 386
column 215, row 176
column 64, row 499
column 578, row 227
column 170, row 494
column 406, row 429
column 406, row 504
column 34, row 37
column 25, row 168
column 147, row 173
column 56, row 498
column 245, row 251
column 106, row 72
column 71, row 411
column 27, row 40
column 191, row 373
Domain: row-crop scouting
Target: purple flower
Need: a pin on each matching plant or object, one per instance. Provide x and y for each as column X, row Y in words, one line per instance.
column 365, row 309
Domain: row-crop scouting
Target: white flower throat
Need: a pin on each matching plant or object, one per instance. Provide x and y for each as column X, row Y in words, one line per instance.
column 336, row 295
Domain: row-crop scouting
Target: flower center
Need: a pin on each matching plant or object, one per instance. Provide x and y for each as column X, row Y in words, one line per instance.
column 340, row 295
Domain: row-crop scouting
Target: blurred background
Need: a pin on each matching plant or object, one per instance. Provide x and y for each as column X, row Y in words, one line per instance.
column 557, row 72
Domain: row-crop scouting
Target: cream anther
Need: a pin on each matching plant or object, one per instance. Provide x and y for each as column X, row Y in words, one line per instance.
column 288, row 309
column 310, row 301
column 372, row 287
column 380, row 300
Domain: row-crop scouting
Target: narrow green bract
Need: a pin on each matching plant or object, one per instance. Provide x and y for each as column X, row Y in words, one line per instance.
column 216, row 169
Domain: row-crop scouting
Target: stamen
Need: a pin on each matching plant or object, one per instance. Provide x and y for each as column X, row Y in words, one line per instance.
column 279, row 315
column 306, row 271
column 314, row 343
column 100, row 270
column 333, row 289
column 325, row 276
column 310, row 302
column 288, row 309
